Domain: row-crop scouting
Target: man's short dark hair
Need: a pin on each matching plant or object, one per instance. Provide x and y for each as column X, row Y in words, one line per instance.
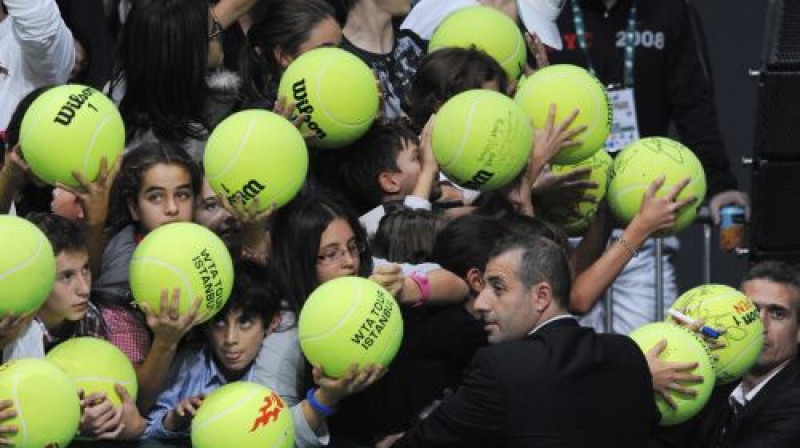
column 254, row 293
column 543, row 260
column 63, row 234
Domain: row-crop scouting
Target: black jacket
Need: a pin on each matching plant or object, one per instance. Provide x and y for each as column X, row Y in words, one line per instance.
column 672, row 80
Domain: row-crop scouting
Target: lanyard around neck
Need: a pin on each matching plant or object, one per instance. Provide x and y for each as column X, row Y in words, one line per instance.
column 630, row 40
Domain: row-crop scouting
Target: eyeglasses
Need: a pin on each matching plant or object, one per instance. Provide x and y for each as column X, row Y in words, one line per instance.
column 333, row 256
column 216, row 27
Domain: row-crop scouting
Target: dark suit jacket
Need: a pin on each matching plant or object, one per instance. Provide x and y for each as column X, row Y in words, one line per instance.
column 563, row 386
column 770, row 420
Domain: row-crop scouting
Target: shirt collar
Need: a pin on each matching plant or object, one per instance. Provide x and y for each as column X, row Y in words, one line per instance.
column 552, row 319
column 742, row 399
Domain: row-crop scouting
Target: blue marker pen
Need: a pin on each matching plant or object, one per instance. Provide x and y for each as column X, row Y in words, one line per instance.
column 680, row 317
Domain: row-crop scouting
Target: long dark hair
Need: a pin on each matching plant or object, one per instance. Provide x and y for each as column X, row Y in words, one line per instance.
column 295, row 237
column 162, row 59
column 131, row 174
column 280, row 24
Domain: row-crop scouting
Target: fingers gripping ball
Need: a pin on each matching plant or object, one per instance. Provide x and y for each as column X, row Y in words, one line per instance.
column 600, row 164
column 337, row 93
column 721, row 306
column 645, row 160
column 570, row 87
column 27, row 266
column 186, row 256
column 95, row 365
column 682, row 346
column 46, row 402
column 487, row 29
column 350, row 320
column 481, row 139
column 256, row 154
column 243, row 414
column 70, row 128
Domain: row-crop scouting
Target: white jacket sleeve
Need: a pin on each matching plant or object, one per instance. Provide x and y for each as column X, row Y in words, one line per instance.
column 47, row 45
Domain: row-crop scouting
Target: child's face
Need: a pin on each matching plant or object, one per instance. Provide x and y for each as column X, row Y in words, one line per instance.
column 165, row 196
column 69, row 297
column 236, row 341
column 409, row 164
column 338, row 253
column 210, row 214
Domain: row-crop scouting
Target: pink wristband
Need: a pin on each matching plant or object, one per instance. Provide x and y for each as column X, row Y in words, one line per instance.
column 424, row 286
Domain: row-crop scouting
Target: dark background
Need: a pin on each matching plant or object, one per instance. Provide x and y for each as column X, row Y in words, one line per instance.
column 734, row 36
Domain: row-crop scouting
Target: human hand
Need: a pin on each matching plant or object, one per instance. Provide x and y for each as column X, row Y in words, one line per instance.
column 93, row 196
column 729, row 197
column 168, row 325
column 659, row 213
column 99, row 418
column 333, row 390
column 7, row 412
column 553, row 137
column 538, row 50
column 14, row 169
column 10, row 326
column 562, row 193
column 391, row 277
column 671, row 377
column 179, row 418
column 287, row 110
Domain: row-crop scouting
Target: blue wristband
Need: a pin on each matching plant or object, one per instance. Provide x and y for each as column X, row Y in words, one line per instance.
column 319, row 407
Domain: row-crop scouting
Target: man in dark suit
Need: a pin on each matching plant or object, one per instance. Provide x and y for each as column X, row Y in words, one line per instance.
column 544, row 380
column 763, row 409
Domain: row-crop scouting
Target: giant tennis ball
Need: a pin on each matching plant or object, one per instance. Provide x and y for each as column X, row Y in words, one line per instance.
column 46, row 402
column 350, row 320
column 721, row 306
column 70, row 128
column 481, row 139
column 186, row 256
column 682, row 346
column 95, row 365
column 600, row 164
column 486, row 29
column 569, row 87
column 27, row 266
column 336, row 91
column 645, row 160
column 243, row 414
column 256, row 154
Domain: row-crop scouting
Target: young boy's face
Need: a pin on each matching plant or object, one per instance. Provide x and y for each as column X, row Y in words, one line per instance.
column 409, row 166
column 69, row 297
column 235, row 341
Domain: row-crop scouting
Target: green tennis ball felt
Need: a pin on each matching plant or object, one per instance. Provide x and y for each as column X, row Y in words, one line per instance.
column 481, row 139
column 95, row 365
column 27, row 266
column 721, row 306
column 487, row 29
column 70, row 128
column 645, row 160
column 337, row 93
column 569, row 87
column 243, row 414
column 600, row 164
column 186, row 256
column 350, row 320
column 45, row 400
column 682, row 346
column 256, row 154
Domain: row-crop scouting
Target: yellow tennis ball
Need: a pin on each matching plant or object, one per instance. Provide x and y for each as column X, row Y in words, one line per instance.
column 721, row 306
column 256, row 154
column 186, row 256
column 45, row 400
column 350, row 320
column 600, row 164
column 487, row 29
column 569, row 87
column 682, row 346
column 645, row 160
column 70, row 128
column 27, row 266
column 481, row 139
column 95, row 365
column 245, row 415
column 337, row 93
